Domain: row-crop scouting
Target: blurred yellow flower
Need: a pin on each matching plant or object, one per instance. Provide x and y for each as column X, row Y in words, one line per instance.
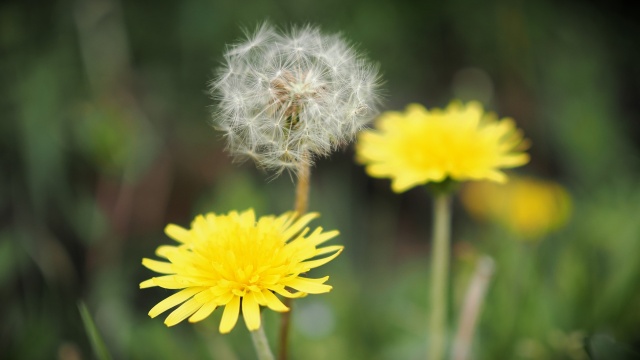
column 236, row 261
column 461, row 142
column 526, row 206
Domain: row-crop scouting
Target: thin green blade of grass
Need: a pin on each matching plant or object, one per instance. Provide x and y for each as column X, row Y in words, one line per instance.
column 97, row 343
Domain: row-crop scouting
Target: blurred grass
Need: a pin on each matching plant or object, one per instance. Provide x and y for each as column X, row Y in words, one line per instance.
column 105, row 138
column 98, row 345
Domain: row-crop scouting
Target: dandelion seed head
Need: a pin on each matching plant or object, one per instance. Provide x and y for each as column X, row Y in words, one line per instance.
column 286, row 98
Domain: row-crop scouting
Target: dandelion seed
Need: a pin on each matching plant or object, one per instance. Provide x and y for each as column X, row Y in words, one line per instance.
column 285, row 98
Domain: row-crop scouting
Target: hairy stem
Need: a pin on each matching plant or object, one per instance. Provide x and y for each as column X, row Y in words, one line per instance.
column 439, row 277
column 300, row 207
column 261, row 344
column 302, row 188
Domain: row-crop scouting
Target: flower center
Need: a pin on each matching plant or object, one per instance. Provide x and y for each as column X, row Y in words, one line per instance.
column 291, row 92
column 245, row 258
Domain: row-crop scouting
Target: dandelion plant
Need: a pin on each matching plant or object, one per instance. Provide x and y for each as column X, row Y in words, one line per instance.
column 285, row 98
column 441, row 148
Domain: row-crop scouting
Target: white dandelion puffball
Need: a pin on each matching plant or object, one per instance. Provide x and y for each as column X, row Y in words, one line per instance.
column 285, row 98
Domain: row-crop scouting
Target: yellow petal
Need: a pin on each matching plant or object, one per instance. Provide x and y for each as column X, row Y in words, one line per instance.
column 260, row 298
column 388, row 118
column 177, row 233
column 311, row 286
column 298, row 225
column 315, row 263
column 317, row 238
column 285, row 220
column 158, row 266
column 328, row 249
column 379, row 170
column 473, row 110
column 173, row 300
column 211, row 220
column 166, row 250
column 251, row 312
column 248, row 218
column 225, row 298
column 206, row 296
column 199, row 228
column 404, row 183
column 273, row 302
column 416, row 110
column 171, row 282
column 184, row 311
column 496, row 175
column 203, row 312
column 514, row 160
column 284, row 292
column 230, row 315
column 147, row 284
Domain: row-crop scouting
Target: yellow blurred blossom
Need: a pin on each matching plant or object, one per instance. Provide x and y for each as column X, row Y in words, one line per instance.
column 240, row 263
column 526, row 206
column 461, row 142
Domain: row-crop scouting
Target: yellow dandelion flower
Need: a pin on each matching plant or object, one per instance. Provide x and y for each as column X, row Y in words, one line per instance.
column 526, row 206
column 460, row 143
column 237, row 262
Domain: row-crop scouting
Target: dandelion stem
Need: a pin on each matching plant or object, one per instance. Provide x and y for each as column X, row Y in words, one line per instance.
column 302, row 188
column 300, row 207
column 260, row 343
column 284, row 329
column 439, row 276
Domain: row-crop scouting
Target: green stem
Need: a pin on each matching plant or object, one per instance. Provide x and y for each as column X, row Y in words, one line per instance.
column 261, row 344
column 300, row 207
column 439, row 276
column 471, row 308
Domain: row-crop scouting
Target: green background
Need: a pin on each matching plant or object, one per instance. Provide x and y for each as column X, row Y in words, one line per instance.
column 105, row 138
